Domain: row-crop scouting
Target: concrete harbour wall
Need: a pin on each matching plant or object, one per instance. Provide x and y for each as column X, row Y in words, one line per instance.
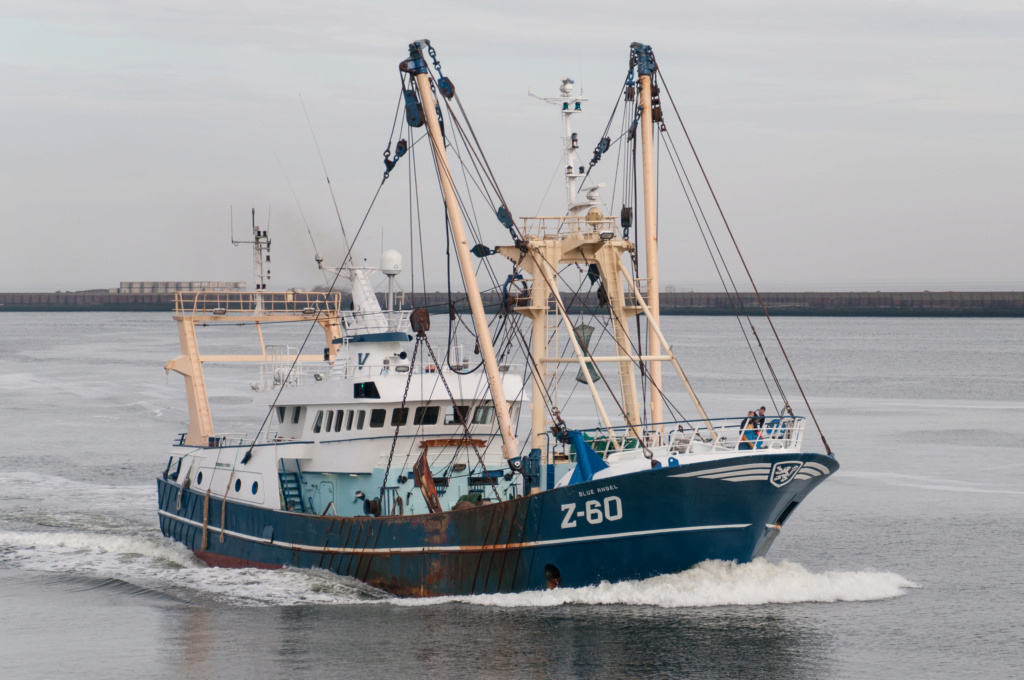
column 951, row 303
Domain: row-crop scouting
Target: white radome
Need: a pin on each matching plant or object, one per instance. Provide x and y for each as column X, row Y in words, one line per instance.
column 391, row 262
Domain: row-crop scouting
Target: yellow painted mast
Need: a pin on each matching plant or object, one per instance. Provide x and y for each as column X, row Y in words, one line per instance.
column 646, row 68
column 416, row 67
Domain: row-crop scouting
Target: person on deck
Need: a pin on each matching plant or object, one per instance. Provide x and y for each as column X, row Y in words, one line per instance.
column 759, row 418
column 748, row 432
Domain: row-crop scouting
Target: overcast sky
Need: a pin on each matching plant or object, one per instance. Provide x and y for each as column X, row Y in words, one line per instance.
column 855, row 145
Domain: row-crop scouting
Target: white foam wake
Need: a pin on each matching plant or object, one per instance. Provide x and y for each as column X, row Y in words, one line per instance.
column 712, row 583
column 161, row 565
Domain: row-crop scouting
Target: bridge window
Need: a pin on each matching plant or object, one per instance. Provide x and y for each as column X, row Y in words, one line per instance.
column 361, row 420
column 366, row 390
column 281, row 410
column 337, row 420
column 452, row 415
column 330, row 419
column 378, row 416
column 399, row 417
column 319, row 421
column 348, row 423
column 483, row 415
column 296, row 414
column 425, row 415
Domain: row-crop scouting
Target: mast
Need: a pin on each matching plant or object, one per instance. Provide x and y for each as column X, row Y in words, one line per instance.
column 571, row 104
column 583, row 236
column 417, row 67
column 646, row 68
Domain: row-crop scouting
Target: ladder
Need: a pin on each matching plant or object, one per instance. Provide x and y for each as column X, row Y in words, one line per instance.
column 291, row 491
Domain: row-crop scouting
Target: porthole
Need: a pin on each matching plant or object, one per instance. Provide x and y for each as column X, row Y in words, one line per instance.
column 255, row 487
column 238, row 485
column 199, row 478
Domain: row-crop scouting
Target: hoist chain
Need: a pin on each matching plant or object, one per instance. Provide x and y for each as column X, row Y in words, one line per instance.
column 462, row 421
column 446, row 86
column 398, row 424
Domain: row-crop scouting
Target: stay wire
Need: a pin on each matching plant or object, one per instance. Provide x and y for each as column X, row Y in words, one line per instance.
column 299, row 206
column 313, row 323
column 718, row 270
column 735, row 289
column 323, row 164
column 747, row 270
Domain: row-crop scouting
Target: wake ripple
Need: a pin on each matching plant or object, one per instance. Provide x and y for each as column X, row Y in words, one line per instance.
column 712, row 584
column 160, row 565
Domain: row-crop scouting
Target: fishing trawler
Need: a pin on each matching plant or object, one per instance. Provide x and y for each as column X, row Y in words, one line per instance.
column 399, row 465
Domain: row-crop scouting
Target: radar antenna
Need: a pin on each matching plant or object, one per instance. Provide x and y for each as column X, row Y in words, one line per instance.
column 260, row 250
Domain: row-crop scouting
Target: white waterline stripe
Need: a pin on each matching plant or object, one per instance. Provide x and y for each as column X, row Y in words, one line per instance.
column 736, row 473
column 751, row 467
column 445, row 549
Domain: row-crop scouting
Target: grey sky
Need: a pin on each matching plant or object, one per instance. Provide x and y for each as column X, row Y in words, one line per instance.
column 854, row 144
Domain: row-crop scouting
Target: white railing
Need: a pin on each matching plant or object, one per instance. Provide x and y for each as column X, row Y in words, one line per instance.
column 575, row 225
column 354, row 323
column 230, row 304
column 777, row 434
column 281, row 368
column 345, row 369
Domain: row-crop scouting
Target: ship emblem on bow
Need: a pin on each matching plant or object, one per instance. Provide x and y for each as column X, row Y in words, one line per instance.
column 783, row 473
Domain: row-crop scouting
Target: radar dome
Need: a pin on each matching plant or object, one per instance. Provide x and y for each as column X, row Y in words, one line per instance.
column 391, row 262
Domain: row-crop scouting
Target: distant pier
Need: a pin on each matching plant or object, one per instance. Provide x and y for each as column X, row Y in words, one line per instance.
column 951, row 303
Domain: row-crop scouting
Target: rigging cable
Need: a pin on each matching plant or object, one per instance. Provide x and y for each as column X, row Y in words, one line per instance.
column 337, row 212
column 749, row 275
column 299, row 206
column 718, row 270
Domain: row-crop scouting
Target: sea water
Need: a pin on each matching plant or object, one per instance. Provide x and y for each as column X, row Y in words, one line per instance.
column 907, row 563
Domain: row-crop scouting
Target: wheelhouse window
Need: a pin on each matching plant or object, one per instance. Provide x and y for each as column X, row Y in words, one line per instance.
column 281, row 413
column 319, row 421
column 330, row 419
column 348, row 423
column 338, row 420
column 361, row 420
column 425, row 415
column 296, row 414
column 399, row 417
column 483, row 415
column 366, row 390
column 456, row 414
column 378, row 416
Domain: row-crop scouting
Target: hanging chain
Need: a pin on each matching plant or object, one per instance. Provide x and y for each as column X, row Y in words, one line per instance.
column 462, row 421
column 398, row 425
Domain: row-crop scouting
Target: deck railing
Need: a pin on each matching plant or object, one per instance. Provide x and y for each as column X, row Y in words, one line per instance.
column 281, row 367
column 682, row 437
column 566, row 225
column 227, row 303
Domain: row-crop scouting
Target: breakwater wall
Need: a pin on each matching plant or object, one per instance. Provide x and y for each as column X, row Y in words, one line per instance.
column 951, row 303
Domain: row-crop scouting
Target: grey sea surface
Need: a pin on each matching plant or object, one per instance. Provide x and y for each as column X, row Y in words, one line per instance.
column 908, row 563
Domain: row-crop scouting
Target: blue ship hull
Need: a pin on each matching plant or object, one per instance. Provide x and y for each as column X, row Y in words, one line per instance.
column 630, row 526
